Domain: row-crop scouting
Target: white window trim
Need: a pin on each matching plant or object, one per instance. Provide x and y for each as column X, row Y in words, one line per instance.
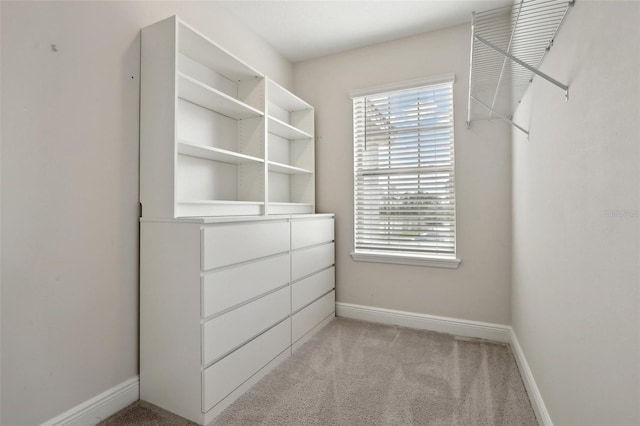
column 404, row 258
column 408, row 84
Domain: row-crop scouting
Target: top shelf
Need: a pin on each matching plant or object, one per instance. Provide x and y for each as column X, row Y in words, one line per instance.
column 198, row 47
column 284, row 99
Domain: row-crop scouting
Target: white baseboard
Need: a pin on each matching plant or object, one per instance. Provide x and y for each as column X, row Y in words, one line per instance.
column 544, row 419
column 100, row 407
column 458, row 327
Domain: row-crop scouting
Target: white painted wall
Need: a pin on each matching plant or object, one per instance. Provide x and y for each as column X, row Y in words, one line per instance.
column 576, row 226
column 0, row 215
column 480, row 288
column 70, row 192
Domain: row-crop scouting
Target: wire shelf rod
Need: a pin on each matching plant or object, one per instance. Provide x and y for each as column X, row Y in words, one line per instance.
column 553, row 37
column 540, row 7
column 528, row 32
column 504, row 62
column 527, row 4
column 504, row 19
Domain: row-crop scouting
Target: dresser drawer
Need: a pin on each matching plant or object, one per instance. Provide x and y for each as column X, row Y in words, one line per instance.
column 238, row 242
column 306, row 232
column 307, row 261
column 228, row 287
column 228, row 331
column 220, row 379
column 312, row 315
column 310, row 288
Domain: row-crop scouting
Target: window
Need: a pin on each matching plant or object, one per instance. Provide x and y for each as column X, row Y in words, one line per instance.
column 404, row 182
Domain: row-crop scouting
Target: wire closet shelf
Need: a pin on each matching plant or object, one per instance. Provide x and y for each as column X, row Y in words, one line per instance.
column 508, row 45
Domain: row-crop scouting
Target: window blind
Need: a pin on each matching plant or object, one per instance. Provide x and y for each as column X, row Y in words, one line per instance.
column 404, row 172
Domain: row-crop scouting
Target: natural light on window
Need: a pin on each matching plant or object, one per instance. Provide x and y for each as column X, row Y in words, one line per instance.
column 404, row 180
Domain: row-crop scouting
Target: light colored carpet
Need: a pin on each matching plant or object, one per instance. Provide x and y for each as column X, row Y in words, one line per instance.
column 356, row 373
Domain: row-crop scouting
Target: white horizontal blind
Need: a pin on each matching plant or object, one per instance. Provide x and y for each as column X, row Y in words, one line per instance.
column 404, row 172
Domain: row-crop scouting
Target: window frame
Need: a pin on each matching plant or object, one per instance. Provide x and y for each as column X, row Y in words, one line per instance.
column 404, row 258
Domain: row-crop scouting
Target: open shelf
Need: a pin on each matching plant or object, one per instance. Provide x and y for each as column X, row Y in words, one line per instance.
column 222, row 202
column 286, row 130
column 285, row 99
column 217, row 137
column 287, row 169
column 215, row 154
column 223, row 208
column 198, row 47
column 199, row 93
column 290, row 208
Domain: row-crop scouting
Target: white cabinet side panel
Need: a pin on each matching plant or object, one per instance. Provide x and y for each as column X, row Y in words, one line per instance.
column 157, row 118
column 170, row 317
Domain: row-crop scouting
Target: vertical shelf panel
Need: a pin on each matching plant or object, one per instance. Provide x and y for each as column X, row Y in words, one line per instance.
column 158, row 119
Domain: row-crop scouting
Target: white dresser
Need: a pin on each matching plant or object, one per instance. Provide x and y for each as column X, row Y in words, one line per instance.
column 225, row 299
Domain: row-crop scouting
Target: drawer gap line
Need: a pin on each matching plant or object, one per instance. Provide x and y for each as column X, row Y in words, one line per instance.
column 311, row 274
column 241, row 304
column 244, row 262
column 313, row 301
column 229, row 352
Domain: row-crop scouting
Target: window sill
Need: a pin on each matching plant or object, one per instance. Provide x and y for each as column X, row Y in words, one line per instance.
column 402, row 259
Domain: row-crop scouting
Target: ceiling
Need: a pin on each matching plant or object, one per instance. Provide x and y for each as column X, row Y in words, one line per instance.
column 305, row 29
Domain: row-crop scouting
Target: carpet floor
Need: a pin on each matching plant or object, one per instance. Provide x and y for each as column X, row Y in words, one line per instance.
column 357, row 373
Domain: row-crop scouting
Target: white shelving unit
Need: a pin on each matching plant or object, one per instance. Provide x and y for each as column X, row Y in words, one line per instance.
column 218, row 138
column 236, row 269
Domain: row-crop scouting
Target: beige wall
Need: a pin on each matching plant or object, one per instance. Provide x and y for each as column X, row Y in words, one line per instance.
column 0, row 216
column 70, row 192
column 479, row 288
column 576, row 255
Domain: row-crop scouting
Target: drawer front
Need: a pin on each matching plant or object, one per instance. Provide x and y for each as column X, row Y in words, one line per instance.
column 312, row 315
column 309, row 232
column 225, row 288
column 310, row 288
column 233, row 243
column 220, row 379
column 307, row 261
column 228, row 331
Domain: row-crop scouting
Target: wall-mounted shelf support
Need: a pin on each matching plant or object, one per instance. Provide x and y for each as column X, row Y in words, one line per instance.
column 508, row 45
column 508, row 120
